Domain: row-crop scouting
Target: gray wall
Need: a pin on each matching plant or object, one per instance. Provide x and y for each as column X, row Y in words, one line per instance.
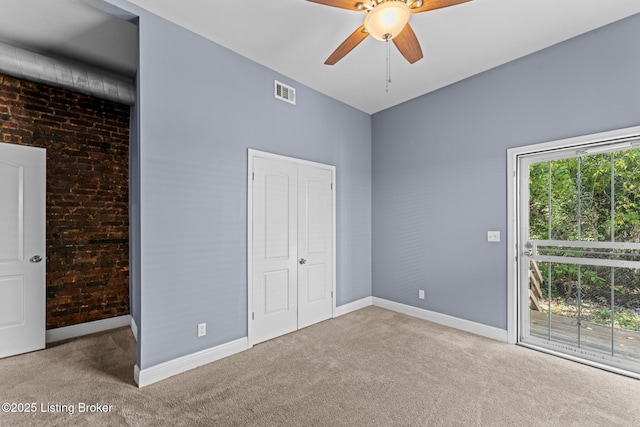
column 439, row 165
column 200, row 108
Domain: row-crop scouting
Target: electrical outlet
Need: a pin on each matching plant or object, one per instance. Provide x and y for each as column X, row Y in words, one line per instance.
column 493, row 236
column 202, row 329
column 421, row 294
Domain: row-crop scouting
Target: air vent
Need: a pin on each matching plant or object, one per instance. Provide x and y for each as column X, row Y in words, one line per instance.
column 285, row 93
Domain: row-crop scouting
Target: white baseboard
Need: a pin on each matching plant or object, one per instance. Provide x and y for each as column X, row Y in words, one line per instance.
column 443, row 319
column 74, row 331
column 353, row 306
column 182, row 364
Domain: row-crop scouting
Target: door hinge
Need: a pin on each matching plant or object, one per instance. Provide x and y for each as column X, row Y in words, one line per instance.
column 253, row 176
column 253, row 315
column 331, row 294
column 332, row 185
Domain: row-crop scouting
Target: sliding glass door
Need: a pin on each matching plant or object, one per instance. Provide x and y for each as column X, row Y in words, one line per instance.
column 579, row 253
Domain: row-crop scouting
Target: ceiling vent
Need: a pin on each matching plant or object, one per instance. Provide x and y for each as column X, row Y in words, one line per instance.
column 285, row 93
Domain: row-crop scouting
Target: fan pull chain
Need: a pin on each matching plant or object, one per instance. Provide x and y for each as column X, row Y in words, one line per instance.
column 388, row 65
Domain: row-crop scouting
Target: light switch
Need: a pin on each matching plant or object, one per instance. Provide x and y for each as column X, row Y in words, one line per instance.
column 493, row 236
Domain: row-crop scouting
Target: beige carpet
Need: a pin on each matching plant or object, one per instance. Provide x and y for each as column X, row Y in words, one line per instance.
column 372, row 367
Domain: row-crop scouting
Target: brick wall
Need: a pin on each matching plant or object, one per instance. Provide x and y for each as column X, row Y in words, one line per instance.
column 87, row 142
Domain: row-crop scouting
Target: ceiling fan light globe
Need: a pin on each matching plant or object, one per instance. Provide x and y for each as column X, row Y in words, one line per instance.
column 386, row 20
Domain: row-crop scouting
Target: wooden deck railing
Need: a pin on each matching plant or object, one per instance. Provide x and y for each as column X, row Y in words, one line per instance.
column 535, row 286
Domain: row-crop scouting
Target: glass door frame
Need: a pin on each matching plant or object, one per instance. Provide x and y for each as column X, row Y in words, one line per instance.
column 515, row 247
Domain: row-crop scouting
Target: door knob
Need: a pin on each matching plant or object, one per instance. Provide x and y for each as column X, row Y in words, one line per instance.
column 36, row 258
column 302, row 261
column 528, row 246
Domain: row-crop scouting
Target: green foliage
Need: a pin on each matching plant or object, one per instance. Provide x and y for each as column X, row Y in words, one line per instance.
column 625, row 319
column 581, row 198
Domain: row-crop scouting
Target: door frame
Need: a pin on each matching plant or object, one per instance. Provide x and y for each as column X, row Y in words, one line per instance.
column 251, row 154
column 513, row 155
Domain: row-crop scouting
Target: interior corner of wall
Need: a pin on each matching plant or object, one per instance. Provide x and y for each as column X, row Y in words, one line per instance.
column 134, row 328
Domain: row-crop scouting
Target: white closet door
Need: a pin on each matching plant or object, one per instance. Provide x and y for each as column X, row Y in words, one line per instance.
column 275, row 264
column 291, row 245
column 315, row 245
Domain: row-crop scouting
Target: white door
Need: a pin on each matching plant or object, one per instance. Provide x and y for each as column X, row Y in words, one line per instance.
column 291, row 246
column 315, row 267
column 275, row 272
column 22, row 249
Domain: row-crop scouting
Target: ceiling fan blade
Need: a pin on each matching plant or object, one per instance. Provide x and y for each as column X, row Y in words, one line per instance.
column 347, row 46
column 344, row 4
column 436, row 4
column 408, row 45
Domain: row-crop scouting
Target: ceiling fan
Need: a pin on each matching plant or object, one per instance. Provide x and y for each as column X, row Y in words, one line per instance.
column 385, row 20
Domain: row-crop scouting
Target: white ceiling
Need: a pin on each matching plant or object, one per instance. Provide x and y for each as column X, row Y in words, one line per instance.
column 294, row 37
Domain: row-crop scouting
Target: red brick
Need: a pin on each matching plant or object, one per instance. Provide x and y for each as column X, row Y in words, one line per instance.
column 87, row 195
